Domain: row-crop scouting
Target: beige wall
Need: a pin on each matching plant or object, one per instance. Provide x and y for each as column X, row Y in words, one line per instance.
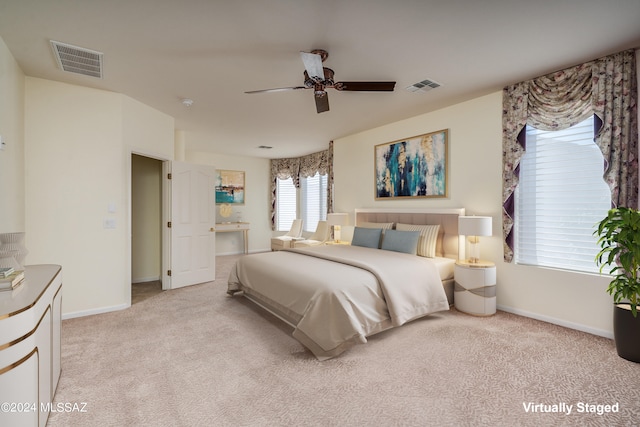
column 475, row 172
column 12, row 131
column 75, row 170
column 147, row 131
column 257, row 200
column 78, row 144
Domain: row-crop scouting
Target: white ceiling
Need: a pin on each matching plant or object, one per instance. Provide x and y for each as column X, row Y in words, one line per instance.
column 161, row 51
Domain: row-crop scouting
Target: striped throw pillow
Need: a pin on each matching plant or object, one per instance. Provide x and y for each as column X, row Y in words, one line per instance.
column 428, row 237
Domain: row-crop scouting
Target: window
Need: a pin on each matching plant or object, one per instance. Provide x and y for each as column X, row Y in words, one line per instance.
column 285, row 204
column 313, row 202
column 560, row 198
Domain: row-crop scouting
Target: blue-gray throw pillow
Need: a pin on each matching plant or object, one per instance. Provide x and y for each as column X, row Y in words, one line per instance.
column 367, row 237
column 401, row 241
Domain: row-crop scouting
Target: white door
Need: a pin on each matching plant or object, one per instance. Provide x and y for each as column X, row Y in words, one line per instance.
column 193, row 237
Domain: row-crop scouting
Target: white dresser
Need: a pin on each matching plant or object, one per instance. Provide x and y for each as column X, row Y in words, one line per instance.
column 30, row 323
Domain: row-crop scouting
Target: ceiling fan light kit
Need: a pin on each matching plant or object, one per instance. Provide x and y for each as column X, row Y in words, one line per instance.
column 320, row 78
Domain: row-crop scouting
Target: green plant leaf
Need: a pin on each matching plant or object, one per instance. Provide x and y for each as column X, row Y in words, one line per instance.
column 619, row 239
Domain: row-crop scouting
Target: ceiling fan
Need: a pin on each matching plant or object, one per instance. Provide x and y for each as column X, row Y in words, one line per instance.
column 320, row 78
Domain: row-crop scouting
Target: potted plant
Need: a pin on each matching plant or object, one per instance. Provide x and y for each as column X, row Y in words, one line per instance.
column 619, row 239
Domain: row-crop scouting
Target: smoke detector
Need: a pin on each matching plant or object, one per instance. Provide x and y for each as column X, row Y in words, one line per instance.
column 187, row 102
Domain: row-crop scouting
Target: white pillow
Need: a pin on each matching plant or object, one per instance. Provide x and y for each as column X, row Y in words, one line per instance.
column 428, row 237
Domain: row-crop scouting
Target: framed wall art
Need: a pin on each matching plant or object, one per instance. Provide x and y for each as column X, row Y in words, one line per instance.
column 229, row 187
column 412, row 167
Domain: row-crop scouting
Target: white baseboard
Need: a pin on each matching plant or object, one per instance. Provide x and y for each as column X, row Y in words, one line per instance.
column 146, row 279
column 95, row 311
column 254, row 251
column 559, row 322
column 228, row 253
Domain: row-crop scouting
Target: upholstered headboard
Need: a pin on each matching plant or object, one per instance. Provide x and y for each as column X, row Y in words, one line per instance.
column 449, row 244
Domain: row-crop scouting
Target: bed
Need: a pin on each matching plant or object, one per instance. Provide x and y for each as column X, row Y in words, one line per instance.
column 335, row 296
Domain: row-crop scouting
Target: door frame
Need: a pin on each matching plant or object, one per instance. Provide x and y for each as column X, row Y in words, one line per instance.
column 165, row 264
column 165, row 239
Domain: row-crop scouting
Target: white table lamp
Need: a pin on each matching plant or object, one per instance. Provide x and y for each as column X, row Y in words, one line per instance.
column 473, row 227
column 337, row 220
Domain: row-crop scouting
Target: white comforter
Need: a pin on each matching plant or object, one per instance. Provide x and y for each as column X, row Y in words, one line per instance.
column 338, row 295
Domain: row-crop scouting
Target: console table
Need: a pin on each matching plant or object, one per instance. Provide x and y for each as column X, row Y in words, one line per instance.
column 30, row 323
column 227, row 227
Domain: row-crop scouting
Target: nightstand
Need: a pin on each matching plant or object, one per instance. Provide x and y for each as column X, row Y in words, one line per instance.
column 475, row 288
column 333, row 242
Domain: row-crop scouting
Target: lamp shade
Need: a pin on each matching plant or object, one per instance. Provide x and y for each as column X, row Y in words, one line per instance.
column 474, row 225
column 337, row 219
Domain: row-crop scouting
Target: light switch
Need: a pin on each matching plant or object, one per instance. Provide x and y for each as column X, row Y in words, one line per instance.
column 112, row 208
column 110, row 223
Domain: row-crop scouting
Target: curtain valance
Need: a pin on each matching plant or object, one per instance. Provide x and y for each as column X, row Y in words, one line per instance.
column 301, row 167
column 606, row 87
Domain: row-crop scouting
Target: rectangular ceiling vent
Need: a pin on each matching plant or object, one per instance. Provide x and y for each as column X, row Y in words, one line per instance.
column 423, row 86
column 74, row 59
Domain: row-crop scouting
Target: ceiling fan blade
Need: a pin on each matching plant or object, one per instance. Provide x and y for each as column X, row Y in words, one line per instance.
column 313, row 64
column 322, row 102
column 366, row 86
column 279, row 89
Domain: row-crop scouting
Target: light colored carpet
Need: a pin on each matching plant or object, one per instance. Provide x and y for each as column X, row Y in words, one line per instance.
column 193, row 357
column 145, row 290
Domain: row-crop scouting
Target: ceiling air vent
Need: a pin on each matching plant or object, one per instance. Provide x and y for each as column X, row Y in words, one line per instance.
column 423, row 86
column 74, row 59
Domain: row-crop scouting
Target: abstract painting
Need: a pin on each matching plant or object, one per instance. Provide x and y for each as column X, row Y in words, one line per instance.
column 412, row 167
column 230, row 187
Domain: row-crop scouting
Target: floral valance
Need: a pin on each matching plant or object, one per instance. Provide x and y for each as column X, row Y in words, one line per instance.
column 314, row 163
column 607, row 88
column 302, row 167
column 285, row 169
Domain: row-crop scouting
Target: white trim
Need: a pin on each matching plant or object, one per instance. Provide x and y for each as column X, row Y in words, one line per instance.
column 559, row 322
column 146, row 279
column 241, row 252
column 95, row 311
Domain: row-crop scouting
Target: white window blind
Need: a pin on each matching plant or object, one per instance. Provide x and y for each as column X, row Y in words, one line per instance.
column 560, row 198
column 286, row 204
column 313, row 201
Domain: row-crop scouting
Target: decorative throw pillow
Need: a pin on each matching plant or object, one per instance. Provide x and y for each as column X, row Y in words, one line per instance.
column 428, row 237
column 401, row 241
column 367, row 237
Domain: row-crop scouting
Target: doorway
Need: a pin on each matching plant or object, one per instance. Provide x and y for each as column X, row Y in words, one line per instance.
column 146, row 227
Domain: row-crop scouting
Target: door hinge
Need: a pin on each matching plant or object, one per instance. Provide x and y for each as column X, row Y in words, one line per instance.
column 168, row 272
column 169, row 224
column 168, row 176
